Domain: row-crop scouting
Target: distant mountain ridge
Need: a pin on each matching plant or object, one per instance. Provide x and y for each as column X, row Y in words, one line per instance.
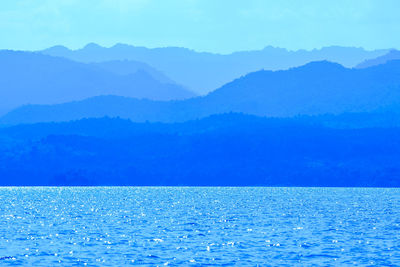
column 391, row 55
column 33, row 78
column 204, row 72
column 126, row 67
column 316, row 88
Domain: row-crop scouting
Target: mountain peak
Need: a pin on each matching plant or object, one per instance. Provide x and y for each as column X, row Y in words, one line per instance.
column 92, row 46
column 59, row 49
column 322, row 65
column 121, row 45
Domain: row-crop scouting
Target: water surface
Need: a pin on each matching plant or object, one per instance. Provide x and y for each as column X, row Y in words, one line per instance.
column 100, row 226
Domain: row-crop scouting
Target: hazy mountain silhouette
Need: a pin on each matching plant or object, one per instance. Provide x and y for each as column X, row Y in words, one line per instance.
column 392, row 55
column 126, row 67
column 231, row 150
column 314, row 89
column 204, row 72
column 40, row 79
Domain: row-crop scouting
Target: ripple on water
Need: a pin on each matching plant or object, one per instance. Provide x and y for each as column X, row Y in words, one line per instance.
column 176, row 225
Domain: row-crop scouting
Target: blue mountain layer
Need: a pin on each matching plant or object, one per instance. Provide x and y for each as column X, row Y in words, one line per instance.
column 316, row 88
column 223, row 150
column 391, row 55
column 33, row 78
column 204, row 72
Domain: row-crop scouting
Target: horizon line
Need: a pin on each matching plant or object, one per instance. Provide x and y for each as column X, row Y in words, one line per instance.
column 94, row 44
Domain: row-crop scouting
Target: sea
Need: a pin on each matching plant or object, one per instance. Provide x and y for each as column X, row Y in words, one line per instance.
column 199, row 226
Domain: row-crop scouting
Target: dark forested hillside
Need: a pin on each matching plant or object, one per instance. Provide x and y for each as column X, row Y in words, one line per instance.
column 228, row 150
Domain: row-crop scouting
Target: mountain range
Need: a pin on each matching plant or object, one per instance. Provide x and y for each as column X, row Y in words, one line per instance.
column 126, row 67
column 221, row 150
column 316, row 88
column 125, row 116
column 392, row 55
column 34, row 78
column 204, row 72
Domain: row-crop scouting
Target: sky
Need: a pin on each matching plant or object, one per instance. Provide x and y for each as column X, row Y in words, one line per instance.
column 219, row 26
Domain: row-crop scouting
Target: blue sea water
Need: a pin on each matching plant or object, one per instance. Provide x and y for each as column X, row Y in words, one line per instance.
column 117, row 226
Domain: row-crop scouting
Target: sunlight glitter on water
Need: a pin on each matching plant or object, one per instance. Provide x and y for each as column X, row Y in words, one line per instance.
column 44, row 226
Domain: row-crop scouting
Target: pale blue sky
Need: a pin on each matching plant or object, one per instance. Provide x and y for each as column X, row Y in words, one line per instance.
column 204, row 25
